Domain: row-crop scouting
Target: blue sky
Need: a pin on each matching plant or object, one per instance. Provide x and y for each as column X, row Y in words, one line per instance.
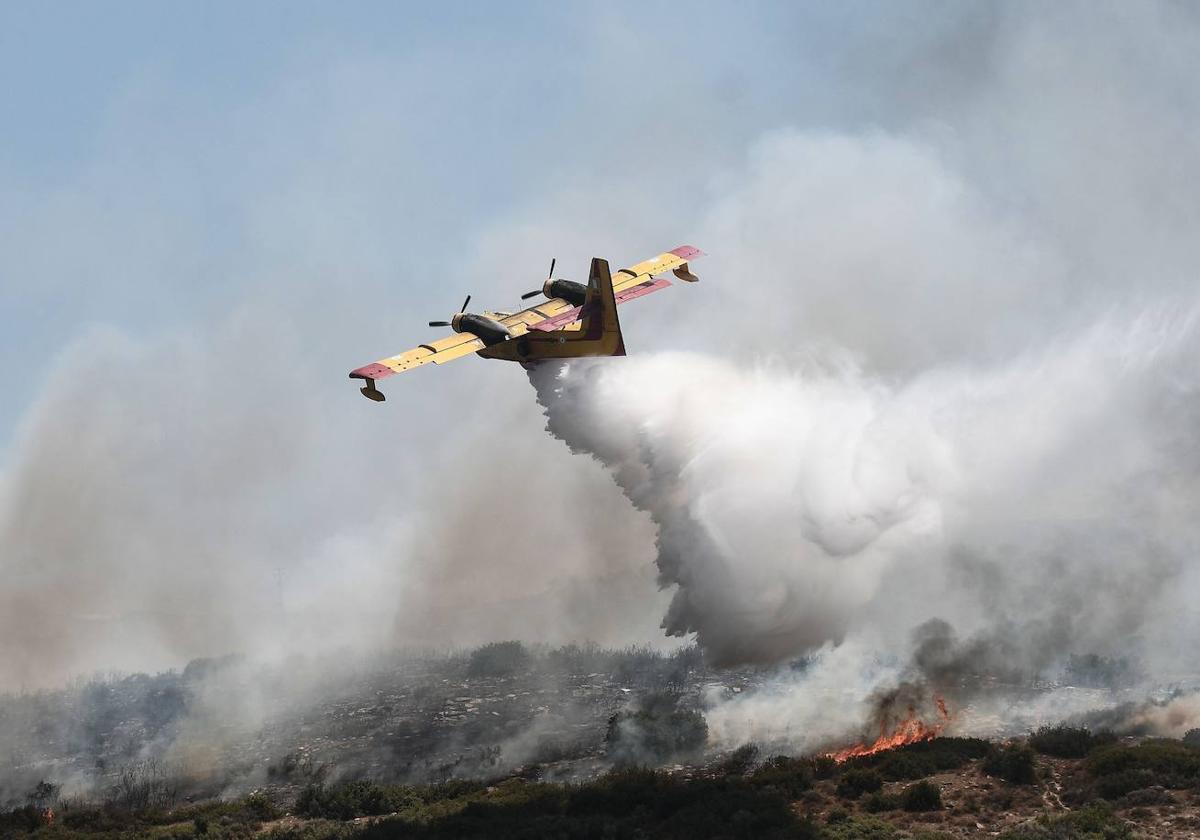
column 138, row 135
column 142, row 138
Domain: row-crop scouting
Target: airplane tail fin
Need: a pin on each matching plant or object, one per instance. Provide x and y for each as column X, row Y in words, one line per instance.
column 596, row 333
column 600, row 321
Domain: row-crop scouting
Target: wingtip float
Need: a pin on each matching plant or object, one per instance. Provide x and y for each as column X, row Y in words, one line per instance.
column 575, row 320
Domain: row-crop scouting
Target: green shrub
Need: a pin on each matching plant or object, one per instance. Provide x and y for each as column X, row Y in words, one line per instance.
column 1068, row 741
column 311, row 830
column 740, row 761
column 618, row 792
column 498, row 659
column 899, row 766
column 921, row 796
column 924, row 758
column 1111, row 760
column 1116, row 785
column 259, row 807
column 20, row 820
column 628, row 803
column 453, row 789
column 1146, row 796
column 855, row 782
column 1173, row 763
column 824, row 767
column 226, row 820
column 878, row 802
column 790, row 776
column 1014, row 763
column 1092, row 822
column 353, row 799
column 860, row 827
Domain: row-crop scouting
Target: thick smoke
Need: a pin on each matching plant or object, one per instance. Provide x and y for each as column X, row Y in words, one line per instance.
column 1034, row 508
column 1173, row 717
column 940, row 430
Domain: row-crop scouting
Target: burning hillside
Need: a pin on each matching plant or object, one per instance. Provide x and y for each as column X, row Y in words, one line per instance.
column 909, row 729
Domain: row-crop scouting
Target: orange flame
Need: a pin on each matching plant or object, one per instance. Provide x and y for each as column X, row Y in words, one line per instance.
column 909, row 730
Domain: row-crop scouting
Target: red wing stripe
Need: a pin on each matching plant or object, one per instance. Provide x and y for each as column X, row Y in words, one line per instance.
column 568, row 317
column 372, row 371
column 642, row 289
column 686, row 252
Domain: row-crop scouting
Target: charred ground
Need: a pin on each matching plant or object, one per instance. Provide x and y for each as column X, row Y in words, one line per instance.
column 226, row 727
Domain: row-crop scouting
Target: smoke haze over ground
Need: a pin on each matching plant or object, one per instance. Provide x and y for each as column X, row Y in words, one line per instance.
column 941, row 364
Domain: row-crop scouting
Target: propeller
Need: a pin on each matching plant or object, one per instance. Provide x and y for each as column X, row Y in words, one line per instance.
column 528, row 295
column 447, row 323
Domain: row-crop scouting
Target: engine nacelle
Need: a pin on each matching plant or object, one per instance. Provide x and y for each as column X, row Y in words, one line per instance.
column 489, row 331
column 570, row 291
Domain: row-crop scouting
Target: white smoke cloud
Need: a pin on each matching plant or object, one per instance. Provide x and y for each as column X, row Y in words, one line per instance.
column 1036, row 505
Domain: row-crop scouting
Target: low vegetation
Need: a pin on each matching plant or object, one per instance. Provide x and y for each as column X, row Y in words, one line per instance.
column 659, row 728
column 921, row 796
column 217, row 819
column 1092, row 822
column 924, row 758
column 1014, row 763
column 1068, row 741
column 1119, row 770
column 627, row 803
column 498, row 659
column 857, row 827
column 351, row 800
column 1173, row 760
column 789, row 776
column 856, row 781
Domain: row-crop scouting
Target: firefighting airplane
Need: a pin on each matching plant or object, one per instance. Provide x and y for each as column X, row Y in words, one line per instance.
column 575, row 320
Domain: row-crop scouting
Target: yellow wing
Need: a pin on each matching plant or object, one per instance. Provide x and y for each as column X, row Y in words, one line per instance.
column 675, row 260
column 521, row 321
column 438, row 352
column 628, row 283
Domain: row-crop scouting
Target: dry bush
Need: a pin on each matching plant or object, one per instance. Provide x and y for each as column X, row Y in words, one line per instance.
column 143, row 786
